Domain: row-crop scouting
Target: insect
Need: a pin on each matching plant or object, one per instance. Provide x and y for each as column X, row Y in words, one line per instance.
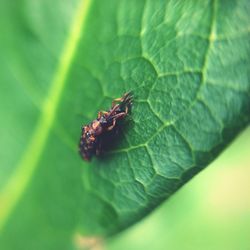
column 91, row 137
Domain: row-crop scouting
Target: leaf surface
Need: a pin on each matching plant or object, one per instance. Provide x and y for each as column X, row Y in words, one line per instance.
column 187, row 63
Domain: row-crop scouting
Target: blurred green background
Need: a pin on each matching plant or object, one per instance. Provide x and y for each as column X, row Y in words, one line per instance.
column 211, row 212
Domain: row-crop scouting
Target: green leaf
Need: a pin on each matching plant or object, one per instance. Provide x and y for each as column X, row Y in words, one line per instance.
column 187, row 63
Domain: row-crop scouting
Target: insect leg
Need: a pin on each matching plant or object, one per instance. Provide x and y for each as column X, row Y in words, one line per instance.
column 126, row 98
column 120, row 115
column 112, row 126
column 115, row 101
column 126, row 110
column 115, row 117
column 101, row 113
column 113, row 110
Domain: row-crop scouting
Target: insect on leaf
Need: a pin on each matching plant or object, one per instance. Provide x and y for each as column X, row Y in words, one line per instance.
column 187, row 63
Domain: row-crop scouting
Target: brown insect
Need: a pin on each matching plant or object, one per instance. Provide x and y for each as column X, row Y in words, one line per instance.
column 91, row 138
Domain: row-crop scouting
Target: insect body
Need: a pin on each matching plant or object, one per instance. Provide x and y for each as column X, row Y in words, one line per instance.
column 90, row 141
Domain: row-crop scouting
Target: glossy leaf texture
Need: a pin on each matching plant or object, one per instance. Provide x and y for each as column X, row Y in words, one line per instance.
column 187, row 63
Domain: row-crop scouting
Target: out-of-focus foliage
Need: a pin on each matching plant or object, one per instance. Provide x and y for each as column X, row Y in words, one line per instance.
column 187, row 63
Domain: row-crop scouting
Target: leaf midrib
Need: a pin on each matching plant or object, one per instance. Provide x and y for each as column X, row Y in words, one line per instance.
column 15, row 187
